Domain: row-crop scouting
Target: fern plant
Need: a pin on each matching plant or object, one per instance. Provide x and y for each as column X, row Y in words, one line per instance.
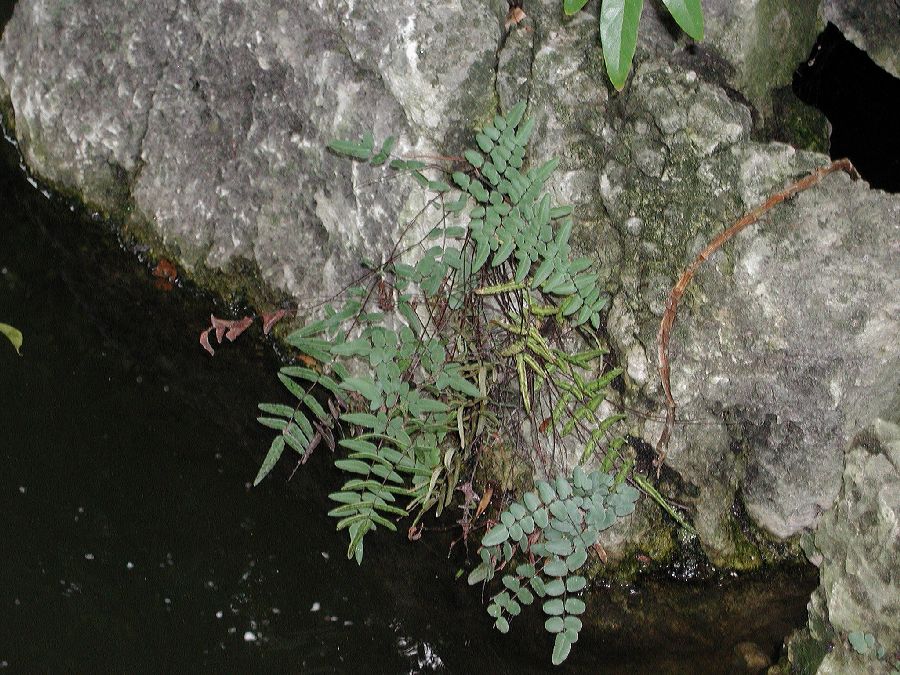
column 619, row 21
column 418, row 363
column 554, row 528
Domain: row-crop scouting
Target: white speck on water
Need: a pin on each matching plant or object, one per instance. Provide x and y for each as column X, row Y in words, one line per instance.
column 249, row 636
column 325, row 555
column 129, row 565
column 348, row 623
column 166, row 389
column 219, row 614
column 22, row 489
column 315, row 607
column 275, row 610
column 168, row 601
column 88, row 556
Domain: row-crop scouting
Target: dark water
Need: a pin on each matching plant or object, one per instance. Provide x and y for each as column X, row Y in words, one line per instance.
column 860, row 100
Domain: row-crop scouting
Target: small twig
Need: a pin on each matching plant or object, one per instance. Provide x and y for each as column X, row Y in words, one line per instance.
column 668, row 319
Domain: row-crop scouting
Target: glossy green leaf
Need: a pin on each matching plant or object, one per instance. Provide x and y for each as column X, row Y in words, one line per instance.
column 575, row 583
column 555, row 587
column 295, row 438
column 571, row 7
column 544, row 270
column 479, row 574
column 514, row 116
column 273, row 422
column 363, row 450
column 461, row 179
column 285, row 411
column 561, row 648
column 351, row 148
column 315, row 407
column 362, row 385
column 562, row 547
column 361, row 420
column 532, row 501
column 345, row 497
column 474, row 158
column 359, row 347
column 546, row 492
column 303, row 424
column 618, row 35
column 314, row 347
column 555, row 624
column 14, row 335
column 463, row 386
column 556, row 567
column 575, row 606
column 271, row 459
column 563, row 488
column 576, row 559
column 688, row 14
column 482, row 251
column 497, row 535
column 385, row 151
column 384, row 522
column 353, row 466
column 573, row 624
column 357, row 532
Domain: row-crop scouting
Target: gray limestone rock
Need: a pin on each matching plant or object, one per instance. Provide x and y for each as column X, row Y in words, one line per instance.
column 208, row 121
column 857, row 546
column 874, row 27
column 785, row 345
column 762, row 41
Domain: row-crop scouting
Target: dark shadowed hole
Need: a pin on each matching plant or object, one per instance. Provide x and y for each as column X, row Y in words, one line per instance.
column 860, row 100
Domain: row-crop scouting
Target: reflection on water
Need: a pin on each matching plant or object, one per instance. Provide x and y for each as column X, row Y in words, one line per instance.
column 131, row 538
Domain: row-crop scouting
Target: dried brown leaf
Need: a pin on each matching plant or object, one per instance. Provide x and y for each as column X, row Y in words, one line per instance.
column 485, row 500
column 204, row 341
column 220, row 326
column 270, row 320
column 514, row 17
column 238, row 327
